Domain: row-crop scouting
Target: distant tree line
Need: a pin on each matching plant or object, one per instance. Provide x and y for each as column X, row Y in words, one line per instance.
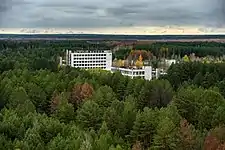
column 181, row 49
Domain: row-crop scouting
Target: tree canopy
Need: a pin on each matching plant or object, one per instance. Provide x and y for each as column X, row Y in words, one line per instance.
column 43, row 106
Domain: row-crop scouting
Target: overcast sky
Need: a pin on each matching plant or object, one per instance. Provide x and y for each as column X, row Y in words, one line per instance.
column 100, row 14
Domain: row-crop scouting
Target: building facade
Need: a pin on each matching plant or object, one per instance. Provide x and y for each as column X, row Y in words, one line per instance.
column 169, row 62
column 144, row 72
column 90, row 59
column 103, row 60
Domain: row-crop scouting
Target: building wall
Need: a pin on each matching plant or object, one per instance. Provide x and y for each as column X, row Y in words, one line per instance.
column 90, row 60
column 145, row 72
column 148, row 73
column 170, row 62
column 60, row 61
column 108, row 61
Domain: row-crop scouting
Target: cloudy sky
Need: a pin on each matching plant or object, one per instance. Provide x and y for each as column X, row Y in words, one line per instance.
column 113, row 16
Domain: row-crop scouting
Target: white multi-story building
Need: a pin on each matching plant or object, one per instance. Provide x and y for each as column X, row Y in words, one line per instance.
column 89, row 59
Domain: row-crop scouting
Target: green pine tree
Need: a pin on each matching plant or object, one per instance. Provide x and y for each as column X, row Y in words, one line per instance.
column 144, row 127
column 90, row 115
column 104, row 96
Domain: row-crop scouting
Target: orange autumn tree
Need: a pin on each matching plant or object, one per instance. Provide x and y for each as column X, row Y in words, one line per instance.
column 215, row 139
column 140, row 58
column 211, row 143
column 55, row 100
column 187, row 136
column 139, row 62
column 137, row 146
column 135, row 54
column 79, row 93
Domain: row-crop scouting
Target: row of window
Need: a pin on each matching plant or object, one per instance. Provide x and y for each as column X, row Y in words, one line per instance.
column 77, row 55
column 93, row 65
column 139, row 73
column 89, row 62
column 89, row 58
column 135, row 73
column 91, row 51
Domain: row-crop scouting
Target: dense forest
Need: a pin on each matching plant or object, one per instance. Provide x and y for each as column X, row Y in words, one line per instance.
column 108, row 36
column 201, row 49
column 46, row 107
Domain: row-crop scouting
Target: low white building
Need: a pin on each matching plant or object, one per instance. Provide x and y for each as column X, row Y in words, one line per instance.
column 89, row 59
column 144, row 72
column 169, row 62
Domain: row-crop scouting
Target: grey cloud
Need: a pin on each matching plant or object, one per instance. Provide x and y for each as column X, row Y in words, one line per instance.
column 9, row 12
column 179, row 13
column 3, row 6
column 3, row 9
column 7, row 5
column 220, row 12
column 106, row 13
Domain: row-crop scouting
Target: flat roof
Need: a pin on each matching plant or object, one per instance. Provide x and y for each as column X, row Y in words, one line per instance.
column 90, row 51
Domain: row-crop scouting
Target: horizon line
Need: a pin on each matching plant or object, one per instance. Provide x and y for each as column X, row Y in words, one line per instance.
column 119, row 34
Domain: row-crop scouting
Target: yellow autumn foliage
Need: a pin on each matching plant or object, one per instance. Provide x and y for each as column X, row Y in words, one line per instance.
column 186, row 58
column 120, row 63
column 139, row 64
column 140, row 58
